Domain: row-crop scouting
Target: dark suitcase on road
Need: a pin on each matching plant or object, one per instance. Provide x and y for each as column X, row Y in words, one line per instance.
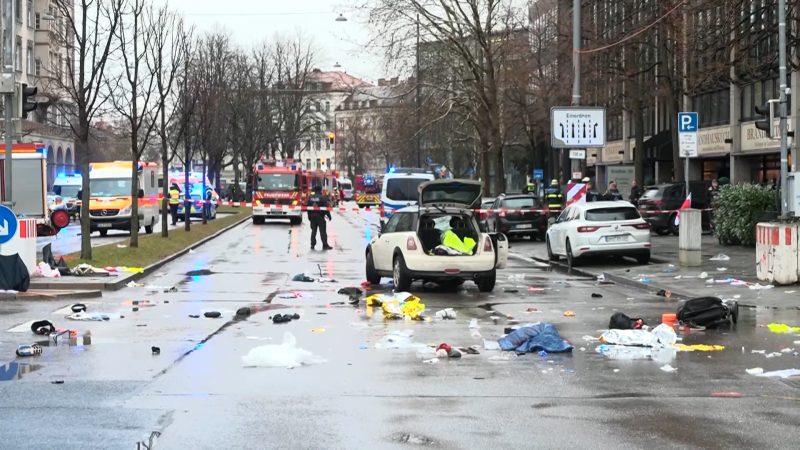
column 707, row 312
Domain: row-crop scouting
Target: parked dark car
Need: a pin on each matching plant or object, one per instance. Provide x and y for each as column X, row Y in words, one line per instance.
column 531, row 224
column 659, row 203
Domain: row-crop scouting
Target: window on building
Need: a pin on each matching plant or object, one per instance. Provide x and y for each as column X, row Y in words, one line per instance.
column 318, row 164
column 38, row 21
column 38, row 69
column 308, row 163
column 30, row 62
column 18, row 10
column 328, row 163
column 319, row 144
column 30, row 12
column 18, row 56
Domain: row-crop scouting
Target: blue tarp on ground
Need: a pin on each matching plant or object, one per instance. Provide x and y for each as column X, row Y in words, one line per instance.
column 535, row 337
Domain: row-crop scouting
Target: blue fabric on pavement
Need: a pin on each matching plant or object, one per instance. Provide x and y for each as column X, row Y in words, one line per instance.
column 535, row 337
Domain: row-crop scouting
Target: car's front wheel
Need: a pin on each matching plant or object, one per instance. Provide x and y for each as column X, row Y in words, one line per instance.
column 486, row 282
column 402, row 281
column 372, row 274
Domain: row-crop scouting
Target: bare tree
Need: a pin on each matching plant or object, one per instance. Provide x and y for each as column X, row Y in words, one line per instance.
column 165, row 60
column 89, row 36
column 135, row 93
column 475, row 32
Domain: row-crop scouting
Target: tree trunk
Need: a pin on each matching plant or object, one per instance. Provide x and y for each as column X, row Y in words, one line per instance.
column 82, row 147
column 165, row 198
column 134, row 243
column 203, row 193
column 638, row 123
column 187, row 205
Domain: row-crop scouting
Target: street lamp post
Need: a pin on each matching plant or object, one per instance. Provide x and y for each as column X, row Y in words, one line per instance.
column 8, row 94
column 419, row 103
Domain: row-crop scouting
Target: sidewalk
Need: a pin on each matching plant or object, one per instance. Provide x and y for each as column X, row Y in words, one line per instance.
column 713, row 278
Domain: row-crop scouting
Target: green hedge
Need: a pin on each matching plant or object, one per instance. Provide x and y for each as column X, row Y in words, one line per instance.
column 737, row 210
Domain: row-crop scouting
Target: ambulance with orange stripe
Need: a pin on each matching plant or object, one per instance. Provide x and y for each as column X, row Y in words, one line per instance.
column 278, row 192
column 110, row 197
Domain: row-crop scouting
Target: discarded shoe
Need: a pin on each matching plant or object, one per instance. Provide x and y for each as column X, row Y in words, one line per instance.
column 155, row 350
column 78, row 307
column 42, row 327
column 596, row 295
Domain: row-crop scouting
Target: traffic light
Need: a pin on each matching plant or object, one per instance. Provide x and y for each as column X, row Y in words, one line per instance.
column 331, row 138
column 28, row 104
column 767, row 111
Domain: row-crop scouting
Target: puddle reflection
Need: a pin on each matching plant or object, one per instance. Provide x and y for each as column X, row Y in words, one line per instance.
column 15, row 371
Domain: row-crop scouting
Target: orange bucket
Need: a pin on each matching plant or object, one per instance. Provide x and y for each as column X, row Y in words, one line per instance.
column 669, row 319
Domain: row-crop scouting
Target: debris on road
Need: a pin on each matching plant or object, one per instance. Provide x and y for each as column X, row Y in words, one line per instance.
column 569, row 313
column 491, row 345
column 535, row 337
column 661, row 335
column 668, row 368
column 43, row 270
column 96, row 316
column 212, row 314
column 284, row 318
column 303, row 277
column 785, row 373
column 720, row 257
column 29, row 350
column 755, row 371
column 131, row 284
column 707, row 312
column 628, row 353
column 353, row 293
column 155, row 350
column 596, row 295
column 698, row 348
column 78, row 307
column 287, row 355
column 446, row 314
column 318, row 330
column 782, row 328
column 42, row 327
column 664, row 293
column 620, row 321
column 400, row 305
column 399, row 340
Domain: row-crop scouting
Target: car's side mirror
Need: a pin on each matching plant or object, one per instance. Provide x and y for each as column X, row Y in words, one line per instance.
column 141, row 193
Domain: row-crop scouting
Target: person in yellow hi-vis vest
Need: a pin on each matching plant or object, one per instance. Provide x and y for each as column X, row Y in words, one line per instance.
column 174, row 201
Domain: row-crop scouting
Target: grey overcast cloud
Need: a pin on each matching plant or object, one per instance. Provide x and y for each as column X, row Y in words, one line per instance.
column 250, row 22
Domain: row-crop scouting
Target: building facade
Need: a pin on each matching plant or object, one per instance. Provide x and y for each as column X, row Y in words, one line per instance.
column 718, row 59
column 41, row 53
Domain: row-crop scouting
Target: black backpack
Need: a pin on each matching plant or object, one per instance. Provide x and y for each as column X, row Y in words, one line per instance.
column 620, row 321
column 707, row 312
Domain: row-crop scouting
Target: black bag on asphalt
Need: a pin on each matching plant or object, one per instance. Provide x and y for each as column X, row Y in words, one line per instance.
column 707, row 312
column 620, row 321
column 13, row 273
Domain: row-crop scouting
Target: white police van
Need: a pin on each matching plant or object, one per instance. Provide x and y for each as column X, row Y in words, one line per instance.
column 401, row 188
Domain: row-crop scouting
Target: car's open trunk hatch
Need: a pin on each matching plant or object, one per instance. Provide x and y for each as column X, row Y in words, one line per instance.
column 448, row 234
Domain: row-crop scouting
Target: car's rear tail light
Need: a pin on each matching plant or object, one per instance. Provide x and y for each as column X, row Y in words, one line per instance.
column 411, row 243
column 452, row 271
column 487, row 246
column 642, row 226
column 590, row 229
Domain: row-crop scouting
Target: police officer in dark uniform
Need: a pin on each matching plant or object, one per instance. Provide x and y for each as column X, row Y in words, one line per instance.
column 317, row 218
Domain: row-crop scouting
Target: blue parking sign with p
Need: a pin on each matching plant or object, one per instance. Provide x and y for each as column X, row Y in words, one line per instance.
column 687, row 122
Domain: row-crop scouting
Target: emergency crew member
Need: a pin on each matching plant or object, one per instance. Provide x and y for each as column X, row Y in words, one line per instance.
column 553, row 196
column 612, row 193
column 636, row 192
column 174, row 201
column 591, row 193
column 317, row 217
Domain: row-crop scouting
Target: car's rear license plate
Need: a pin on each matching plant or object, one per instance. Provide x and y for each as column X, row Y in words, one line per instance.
column 103, row 225
column 523, row 226
column 621, row 238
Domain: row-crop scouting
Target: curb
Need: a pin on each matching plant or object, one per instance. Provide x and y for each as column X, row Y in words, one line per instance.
column 120, row 283
column 44, row 294
column 617, row 279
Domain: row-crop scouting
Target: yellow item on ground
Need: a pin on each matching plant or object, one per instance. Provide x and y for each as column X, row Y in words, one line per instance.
column 782, row 328
column 698, row 348
column 450, row 239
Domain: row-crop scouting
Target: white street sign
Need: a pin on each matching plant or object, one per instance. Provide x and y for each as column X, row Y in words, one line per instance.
column 687, row 143
column 577, row 154
column 577, row 126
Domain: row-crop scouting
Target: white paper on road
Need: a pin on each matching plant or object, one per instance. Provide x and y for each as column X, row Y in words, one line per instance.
column 720, row 257
column 785, row 373
column 286, row 355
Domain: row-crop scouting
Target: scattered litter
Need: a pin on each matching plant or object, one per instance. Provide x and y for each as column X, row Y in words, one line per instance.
column 87, row 269
column 474, row 329
column 667, row 368
column 588, row 338
column 284, row 318
column 721, row 269
column 212, row 314
column 96, row 316
column 155, row 350
column 431, row 361
column 447, row 313
column 535, row 289
column 42, row 327
column 471, row 350
column 644, row 280
column 758, row 287
column 134, row 284
column 720, row 257
column 511, row 290
column 678, row 277
column 773, row 354
column 782, row 328
column 760, row 352
column 318, row 330
column 569, row 313
column 670, row 268
column 57, row 382
column 596, row 295
column 43, row 270
column 661, row 335
column 703, row 275
column 787, row 350
column 664, row 293
column 616, row 370
column 29, row 350
column 287, row 355
column 789, row 292
column 699, row 348
column 620, row 321
column 533, row 310
column 302, row 277
column 353, row 293
column 627, row 353
column 122, row 246
column 535, row 337
column 785, row 373
column 171, row 290
column 194, row 316
column 398, row 340
column 191, row 251
column 490, row 345
column 400, row 305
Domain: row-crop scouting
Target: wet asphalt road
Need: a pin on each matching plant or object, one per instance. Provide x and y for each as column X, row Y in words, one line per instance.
column 197, row 393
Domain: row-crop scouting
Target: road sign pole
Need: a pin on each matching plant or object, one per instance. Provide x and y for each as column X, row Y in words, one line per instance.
column 783, row 123
column 8, row 97
column 686, row 173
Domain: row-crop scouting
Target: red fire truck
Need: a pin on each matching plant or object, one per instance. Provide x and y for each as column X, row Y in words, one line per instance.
column 328, row 179
column 368, row 191
column 279, row 189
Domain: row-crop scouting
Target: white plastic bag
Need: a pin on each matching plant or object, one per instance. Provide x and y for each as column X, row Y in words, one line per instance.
column 661, row 335
column 287, row 355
